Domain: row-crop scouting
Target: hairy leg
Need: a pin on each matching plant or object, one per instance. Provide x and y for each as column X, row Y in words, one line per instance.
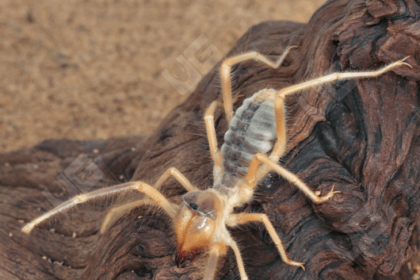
column 251, row 178
column 151, row 192
column 280, row 146
column 162, row 179
column 232, row 244
column 227, row 66
column 178, row 176
column 216, row 154
column 216, row 250
column 339, row 76
column 110, row 217
column 236, row 219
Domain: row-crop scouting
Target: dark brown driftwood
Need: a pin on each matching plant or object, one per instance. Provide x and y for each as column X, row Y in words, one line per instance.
column 361, row 136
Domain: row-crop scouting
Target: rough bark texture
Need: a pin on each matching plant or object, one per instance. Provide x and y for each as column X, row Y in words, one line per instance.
column 361, row 136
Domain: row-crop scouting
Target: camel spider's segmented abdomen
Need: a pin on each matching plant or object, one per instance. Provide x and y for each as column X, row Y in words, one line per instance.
column 251, row 131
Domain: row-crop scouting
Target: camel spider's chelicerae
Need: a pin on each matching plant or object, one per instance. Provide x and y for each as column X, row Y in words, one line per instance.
column 254, row 143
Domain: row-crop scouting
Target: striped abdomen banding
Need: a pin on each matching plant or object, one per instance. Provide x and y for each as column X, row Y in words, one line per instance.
column 251, row 131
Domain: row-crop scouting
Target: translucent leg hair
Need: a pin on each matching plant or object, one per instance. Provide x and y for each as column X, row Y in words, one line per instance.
column 227, row 66
column 114, row 212
column 110, row 217
column 216, row 250
column 232, row 244
column 251, row 178
column 151, row 192
column 216, row 154
column 280, row 146
column 178, row 176
column 237, row 219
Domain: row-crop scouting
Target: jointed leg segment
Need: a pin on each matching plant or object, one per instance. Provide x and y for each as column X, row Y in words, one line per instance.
column 280, row 146
column 216, row 250
column 257, row 217
column 251, row 178
column 338, row 76
column 257, row 172
column 138, row 186
column 109, row 219
column 178, row 176
column 227, row 66
column 232, row 244
column 162, row 179
column 216, row 154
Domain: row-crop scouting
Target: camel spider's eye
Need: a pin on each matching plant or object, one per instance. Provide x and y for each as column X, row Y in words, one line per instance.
column 194, row 206
column 203, row 203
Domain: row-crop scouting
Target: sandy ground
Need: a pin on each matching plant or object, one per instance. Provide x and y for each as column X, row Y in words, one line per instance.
column 86, row 69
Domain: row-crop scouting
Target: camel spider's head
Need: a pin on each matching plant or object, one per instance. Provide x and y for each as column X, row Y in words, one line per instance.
column 195, row 224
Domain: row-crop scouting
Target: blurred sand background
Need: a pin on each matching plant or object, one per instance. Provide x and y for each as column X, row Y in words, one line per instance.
column 88, row 69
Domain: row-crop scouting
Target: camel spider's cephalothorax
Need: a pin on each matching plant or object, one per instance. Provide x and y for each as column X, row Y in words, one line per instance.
column 254, row 143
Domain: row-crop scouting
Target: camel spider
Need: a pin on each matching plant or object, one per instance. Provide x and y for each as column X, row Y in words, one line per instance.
column 254, row 143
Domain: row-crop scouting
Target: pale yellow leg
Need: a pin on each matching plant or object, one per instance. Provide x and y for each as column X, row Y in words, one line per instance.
column 280, row 146
column 232, row 244
column 162, row 179
column 251, row 179
column 338, row 76
column 151, row 192
column 216, row 250
column 226, row 69
column 110, row 216
column 216, row 154
column 236, row 219
column 178, row 176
